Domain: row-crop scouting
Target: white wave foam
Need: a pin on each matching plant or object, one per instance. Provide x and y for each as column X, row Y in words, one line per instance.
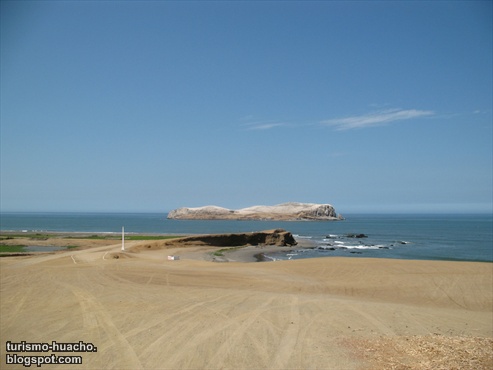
column 363, row 246
column 360, row 246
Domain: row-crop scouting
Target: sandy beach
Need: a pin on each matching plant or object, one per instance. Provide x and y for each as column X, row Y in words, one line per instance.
column 202, row 311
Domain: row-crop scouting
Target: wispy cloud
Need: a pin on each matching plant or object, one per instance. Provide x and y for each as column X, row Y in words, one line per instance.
column 263, row 125
column 266, row 126
column 377, row 118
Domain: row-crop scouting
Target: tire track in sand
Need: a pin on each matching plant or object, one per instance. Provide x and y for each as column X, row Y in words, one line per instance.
column 96, row 317
column 289, row 337
column 189, row 338
column 444, row 286
column 243, row 329
column 171, row 317
column 16, row 305
column 378, row 324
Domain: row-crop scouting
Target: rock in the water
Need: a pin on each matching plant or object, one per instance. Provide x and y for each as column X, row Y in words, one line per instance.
column 285, row 212
column 356, row 236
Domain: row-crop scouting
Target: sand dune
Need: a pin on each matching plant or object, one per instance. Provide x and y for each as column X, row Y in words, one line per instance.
column 144, row 312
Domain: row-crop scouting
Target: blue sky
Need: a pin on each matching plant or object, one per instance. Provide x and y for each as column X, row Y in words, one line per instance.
column 150, row 106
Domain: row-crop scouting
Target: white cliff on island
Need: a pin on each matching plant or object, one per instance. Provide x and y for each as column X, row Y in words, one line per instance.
column 284, row 212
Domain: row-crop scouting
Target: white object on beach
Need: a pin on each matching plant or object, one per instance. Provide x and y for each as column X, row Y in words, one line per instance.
column 173, row 258
column 123, row 238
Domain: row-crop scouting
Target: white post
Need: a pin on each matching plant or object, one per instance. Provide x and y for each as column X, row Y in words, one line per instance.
column 123, row 238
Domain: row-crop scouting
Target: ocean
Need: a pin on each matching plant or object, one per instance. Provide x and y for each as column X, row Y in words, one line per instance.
column 424, row 237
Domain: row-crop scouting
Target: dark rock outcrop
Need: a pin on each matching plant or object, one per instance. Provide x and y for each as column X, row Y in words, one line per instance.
column 356, row 236
column 278, row 237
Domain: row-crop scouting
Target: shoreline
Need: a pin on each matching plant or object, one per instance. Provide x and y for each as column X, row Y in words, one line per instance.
column 248, row 253
column 448, row 237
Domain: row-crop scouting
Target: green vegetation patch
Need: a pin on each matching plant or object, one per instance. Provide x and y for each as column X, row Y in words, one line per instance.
column 220, row 252
column 45, row 236
column 26, row 235
column 127, row 237
column 96, row 237
column 11, row 248
column 151, row 237
column 4, row 248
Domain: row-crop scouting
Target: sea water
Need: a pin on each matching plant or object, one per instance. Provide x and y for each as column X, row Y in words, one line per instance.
column 431, row 237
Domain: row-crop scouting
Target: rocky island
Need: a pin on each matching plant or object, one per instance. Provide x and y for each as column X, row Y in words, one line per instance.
column 281, row 212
